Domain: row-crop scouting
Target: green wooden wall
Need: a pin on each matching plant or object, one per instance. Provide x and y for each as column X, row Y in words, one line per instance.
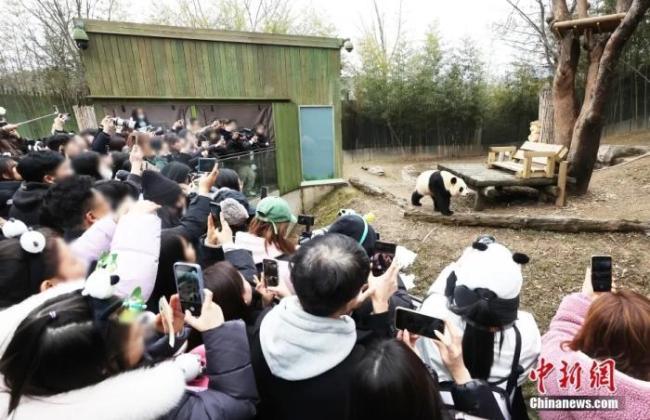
column 128, row 61
column 23, row 106
column 288, row 162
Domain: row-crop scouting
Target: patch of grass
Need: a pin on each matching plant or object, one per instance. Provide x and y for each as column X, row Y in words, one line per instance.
column 326, row 210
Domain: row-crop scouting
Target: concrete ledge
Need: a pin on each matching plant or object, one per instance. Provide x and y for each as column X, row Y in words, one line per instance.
column 336, row 182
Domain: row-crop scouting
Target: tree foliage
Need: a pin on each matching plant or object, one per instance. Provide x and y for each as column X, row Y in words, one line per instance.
column 425, row 94
column 271, row 16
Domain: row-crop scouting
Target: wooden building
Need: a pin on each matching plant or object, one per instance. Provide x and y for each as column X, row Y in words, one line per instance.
column 296, row 77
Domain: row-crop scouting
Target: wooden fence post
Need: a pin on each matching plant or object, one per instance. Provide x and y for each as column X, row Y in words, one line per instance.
column 85, row 115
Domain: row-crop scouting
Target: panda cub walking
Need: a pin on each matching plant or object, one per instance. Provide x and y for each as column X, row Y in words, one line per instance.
column 440, row 186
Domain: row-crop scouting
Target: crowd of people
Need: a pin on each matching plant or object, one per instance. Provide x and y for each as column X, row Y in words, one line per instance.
column 103, row 153
column 94, row 224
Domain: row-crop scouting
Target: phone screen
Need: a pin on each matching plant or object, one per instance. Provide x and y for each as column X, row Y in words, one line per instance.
column 417, row 323
column 189, row 283
column 383, row 257
column 271, row 272
column 206, row 164
column 306, row 220
column 215, row 211
column 601, row 273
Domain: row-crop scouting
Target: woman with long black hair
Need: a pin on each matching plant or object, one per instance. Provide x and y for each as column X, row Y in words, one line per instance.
column 479, row 294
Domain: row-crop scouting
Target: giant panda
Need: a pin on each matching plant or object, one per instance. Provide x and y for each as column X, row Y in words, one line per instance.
column 440, row 186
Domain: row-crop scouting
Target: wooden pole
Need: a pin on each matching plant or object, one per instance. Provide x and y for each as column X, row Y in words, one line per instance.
column 545, row 223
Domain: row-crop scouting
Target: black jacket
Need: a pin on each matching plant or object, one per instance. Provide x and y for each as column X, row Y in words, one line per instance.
column 100, row 143
column 193, row 224
column 7, row 191
column 27, row 202
column 323, row 397
column 231, row 392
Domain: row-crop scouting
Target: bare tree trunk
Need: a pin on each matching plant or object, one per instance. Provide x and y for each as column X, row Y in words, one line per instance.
column 565, row 103
column 545, row 114
column 603, row 59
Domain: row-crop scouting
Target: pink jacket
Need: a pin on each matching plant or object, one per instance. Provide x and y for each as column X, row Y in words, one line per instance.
column 136, row 241
column 633, row 394
column 95, row 240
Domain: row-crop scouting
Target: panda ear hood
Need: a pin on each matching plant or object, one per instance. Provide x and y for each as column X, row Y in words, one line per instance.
column 520, row 258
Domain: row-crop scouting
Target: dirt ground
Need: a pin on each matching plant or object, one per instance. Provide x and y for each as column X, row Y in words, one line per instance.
column 558, row 260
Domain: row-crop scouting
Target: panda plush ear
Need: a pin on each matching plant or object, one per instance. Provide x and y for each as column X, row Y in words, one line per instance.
column 480, row 246
column 453, row 180
column 520, row 258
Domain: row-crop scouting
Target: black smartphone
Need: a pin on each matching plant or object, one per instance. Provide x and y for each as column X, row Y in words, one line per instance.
column 305, row 220
column 601, row 273
column 189, row 283
column 383, row 257
column 417, row 323
column 207, row 164
column 264, row 192
column 271, row 272
column 215, row 211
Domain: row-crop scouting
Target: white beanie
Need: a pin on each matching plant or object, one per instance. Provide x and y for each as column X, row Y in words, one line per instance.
column 491, row 266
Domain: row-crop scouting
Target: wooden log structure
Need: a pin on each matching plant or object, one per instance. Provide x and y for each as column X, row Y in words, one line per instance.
column 507, row 221
column 377, row 192
column 545, row 223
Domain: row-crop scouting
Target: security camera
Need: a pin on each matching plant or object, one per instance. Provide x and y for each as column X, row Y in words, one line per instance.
column 81, row 44
column 348, row 45
column 80, row 37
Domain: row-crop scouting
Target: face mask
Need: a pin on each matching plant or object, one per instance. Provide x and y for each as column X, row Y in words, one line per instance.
column 105, row 173
column 141, row 116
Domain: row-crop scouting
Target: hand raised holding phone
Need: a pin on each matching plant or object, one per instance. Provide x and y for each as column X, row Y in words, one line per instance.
column 211, row 315
column 450, row 346
column 207, row 181
column 380, row 289
column 218, row 237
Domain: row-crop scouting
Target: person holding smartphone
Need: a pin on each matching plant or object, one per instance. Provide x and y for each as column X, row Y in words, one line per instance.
column 592, row 327
column 479, row 294
column 392, row 367
column 86, row 368
column 304, row 351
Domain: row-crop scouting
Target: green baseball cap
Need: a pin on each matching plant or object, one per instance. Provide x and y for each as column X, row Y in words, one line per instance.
column 274, row 210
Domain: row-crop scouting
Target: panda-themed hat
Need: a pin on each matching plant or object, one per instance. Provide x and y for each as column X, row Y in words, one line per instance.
column 485, row 284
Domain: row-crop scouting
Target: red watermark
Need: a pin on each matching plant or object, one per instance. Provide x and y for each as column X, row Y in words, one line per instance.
column 574, row 376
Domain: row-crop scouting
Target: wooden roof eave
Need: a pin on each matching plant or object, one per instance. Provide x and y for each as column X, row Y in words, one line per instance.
column 177, row 32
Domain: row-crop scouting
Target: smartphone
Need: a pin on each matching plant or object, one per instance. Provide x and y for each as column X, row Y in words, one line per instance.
column 305, row 220
column 601, row 273
column 215, row 211
column 264, row 192
column 271, row 272
column 417, row 323
column 189, row 283
column 206, row 164
column 383, row 257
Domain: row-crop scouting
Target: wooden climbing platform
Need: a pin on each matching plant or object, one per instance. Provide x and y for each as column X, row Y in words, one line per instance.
column 479, row 178
column 605, row 23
